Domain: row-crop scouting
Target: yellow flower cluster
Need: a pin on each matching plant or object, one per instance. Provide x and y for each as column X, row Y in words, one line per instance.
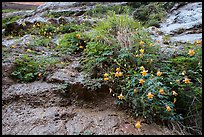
column 39, row 74
column 135, row 90
column 161, row 91
column 186, row 80
column 106, row 77
column 121, row 97
column 198, row 42
column 141, row 42
column 38, row 24
column 159, row 73
column 142, row 68
column 118, row 73
column 144, row 72
column 77, row 36
column 141, row 51
column 150, row 95
column 13, row 46
column 191, row 52
column 81, row 47
column 28, row 50
column 141, row 81
column 138, row 125
column 168, row 108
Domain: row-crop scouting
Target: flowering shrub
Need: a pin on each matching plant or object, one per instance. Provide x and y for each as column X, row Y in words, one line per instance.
column 151, row 88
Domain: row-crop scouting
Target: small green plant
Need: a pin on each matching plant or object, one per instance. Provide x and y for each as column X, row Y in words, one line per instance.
column 28, row 68
column 43, row 42
column 9, row 20
column 72, row 42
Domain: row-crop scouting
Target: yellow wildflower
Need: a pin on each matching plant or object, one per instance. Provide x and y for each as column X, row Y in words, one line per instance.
column 177, row 81
column 118, row 69
column 142, row 68
column 183, row 72
column 28, row 50
column 199, row 42
column 150, row 44
column 105, row 75
column 186, row 80
column 24, row 24
column 97, row 36
column 144, row 72
column 141, row 42
column 39, row 74
column 137, row 125
column 168, row 108
column 106, row 79
column 191, row 52
column 141, row 81
column 174, row 100
column 121, row 96
column 11, row 37
column 150, row 95
column 174, row 93
column 120, row 74
column 135, row 90
column 13, row 46
column 159, row 73
column 33, row 26
column 142, row 51
column 77, row 36
column 161, row 91
column 116, row 74
column 81, row 47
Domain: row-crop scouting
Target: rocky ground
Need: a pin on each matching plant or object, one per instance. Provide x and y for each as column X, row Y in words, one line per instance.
column 49, row 107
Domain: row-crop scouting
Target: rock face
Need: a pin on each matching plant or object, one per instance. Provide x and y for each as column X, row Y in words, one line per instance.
column 39, row 108
column 78, row 8
column 183, row 21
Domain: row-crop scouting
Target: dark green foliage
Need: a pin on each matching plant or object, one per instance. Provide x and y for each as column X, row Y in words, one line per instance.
column 9, row 20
